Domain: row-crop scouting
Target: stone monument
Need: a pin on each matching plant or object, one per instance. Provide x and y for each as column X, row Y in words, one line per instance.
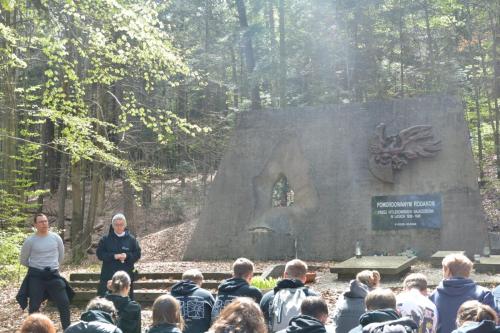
column 389, row 175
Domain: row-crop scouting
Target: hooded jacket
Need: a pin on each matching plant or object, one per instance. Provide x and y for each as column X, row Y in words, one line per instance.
column 450, row 294
column 94, row 321
column 402, row 325
column 129, row 313
column 230, row 289
column 350, row 307
column 304, row 324
column 485, row 326
column 376, row 316
column 196, row 305
column 267, row 299
column 111, row 244
column 164, row 328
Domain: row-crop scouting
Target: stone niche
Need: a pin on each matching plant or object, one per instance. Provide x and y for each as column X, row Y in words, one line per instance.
column 325, row 157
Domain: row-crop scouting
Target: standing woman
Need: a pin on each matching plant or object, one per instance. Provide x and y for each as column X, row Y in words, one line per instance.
column 167, row 316
column 119, row 251
column 129, row 311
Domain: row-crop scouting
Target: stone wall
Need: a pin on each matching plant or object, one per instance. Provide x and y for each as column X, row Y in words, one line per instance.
column 324, row 153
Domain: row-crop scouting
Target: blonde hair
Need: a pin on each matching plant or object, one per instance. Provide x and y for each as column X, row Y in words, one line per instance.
column 296, row 268
column 194, row 275
column 475, row 311
column 415, row 280
column 119, row 282
column 370, row 278
column 38, row 323
column 167, row 310
column 458, row 265
column 243, row 315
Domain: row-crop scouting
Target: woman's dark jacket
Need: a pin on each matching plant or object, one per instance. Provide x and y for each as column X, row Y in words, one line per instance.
column 129, row 313
column 111, row 244
column 94, row 321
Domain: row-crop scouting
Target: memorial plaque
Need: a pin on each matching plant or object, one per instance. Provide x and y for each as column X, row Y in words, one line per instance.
column 416, row 211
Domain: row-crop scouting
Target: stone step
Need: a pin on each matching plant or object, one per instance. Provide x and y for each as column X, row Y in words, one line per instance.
column 155, row 276
column 142, row 284
column 143, row 297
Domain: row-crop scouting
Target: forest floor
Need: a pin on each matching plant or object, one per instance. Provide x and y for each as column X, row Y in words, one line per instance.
column 174, row 216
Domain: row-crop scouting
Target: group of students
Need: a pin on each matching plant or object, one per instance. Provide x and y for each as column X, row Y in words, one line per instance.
column 457, row 305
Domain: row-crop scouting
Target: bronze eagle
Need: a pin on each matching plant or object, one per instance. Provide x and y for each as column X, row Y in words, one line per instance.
column 391, row 153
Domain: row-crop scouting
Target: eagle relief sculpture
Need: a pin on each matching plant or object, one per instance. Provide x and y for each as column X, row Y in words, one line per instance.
column 391, row 153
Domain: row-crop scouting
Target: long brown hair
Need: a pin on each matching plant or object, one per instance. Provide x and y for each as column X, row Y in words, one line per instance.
column 243, row 315
column 475, row 311
column 167, row 310
column 38, row 323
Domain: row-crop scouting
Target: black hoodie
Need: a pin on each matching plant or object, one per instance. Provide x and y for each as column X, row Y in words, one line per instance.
column 111, row 244
column 94, row 321
column 375, row 316
column 196, row 305
column 230, row 289
column 129, row 313
column 485, row 326
column 304, row 324
column 267, row 299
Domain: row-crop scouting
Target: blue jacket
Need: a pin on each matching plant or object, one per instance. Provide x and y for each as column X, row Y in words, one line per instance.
column 450, row 294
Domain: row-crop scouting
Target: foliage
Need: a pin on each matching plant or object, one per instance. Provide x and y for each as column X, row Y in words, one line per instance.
column 10, row 247
column 261, row 283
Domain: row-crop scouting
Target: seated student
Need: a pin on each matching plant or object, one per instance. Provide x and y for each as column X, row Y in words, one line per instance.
column 129, row 311
column 312, row 318
column 475, row 317
column 283, row 303
column 196, row 302
column 37, row 323
column 98, row 317
column 381, row 311
column 237, row 286
column 243, row 315
column 352, row 304
column 414, row 303
column 167, row 316
column 456, row 288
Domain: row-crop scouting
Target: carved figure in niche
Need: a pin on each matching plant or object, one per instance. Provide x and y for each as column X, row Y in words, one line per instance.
column 282, row 193
column 391, row 153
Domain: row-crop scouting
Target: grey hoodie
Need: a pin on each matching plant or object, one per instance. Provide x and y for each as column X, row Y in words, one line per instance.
column 350, row 307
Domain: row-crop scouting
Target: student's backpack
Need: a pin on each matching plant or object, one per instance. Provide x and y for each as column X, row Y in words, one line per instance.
column 285, row 305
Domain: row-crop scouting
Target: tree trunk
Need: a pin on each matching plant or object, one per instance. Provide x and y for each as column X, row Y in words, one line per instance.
column 430, row 46
column 91, row 213
column 479, row 135
column 495, row 24
column 62, row 192
column 272, row 39
column 282, row 75
column 249, row 55
column 101, row 195
column 234, row 77
column 401, row 50
column 77, row 215
column 129, row 206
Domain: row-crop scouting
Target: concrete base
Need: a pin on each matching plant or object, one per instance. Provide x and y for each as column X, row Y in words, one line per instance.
column 387, row 266
column 437, row 258
column 489, row 264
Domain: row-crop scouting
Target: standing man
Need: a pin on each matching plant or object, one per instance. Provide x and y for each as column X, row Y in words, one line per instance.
column 119, row 251
column 43, row 253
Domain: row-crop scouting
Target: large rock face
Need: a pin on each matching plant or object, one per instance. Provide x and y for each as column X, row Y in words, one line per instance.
column 326, row 155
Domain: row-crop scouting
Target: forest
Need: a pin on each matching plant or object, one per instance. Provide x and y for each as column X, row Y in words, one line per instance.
column 99, row 92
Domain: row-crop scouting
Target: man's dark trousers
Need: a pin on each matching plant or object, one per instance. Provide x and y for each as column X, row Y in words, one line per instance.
column 56, row 290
